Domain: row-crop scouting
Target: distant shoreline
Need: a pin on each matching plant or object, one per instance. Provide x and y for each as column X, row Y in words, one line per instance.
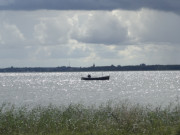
column 141, row 67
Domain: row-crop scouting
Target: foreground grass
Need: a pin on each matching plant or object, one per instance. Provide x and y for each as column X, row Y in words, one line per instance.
column 111, row 119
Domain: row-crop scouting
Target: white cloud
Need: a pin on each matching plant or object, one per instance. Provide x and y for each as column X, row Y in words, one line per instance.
column 101, row 28
column 40, row 32
column 10, row 34
column 106, row 37
column 160, row 27
column 149, row 26
column 131, row 52
column 52, row 30
column 98, row 27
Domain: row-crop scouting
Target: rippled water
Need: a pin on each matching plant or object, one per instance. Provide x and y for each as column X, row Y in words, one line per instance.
column 160, row 87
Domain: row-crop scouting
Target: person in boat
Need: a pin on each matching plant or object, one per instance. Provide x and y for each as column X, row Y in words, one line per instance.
column 89, row 76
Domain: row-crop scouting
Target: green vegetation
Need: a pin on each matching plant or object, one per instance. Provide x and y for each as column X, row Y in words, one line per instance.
column 110, row 119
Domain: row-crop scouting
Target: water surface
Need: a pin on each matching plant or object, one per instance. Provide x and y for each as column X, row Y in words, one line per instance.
column 148, row 87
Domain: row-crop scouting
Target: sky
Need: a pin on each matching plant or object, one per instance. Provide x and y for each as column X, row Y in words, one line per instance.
column 80, row 33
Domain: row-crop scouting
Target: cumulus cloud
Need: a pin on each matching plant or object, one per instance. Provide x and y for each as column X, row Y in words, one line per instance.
column 115, row 27
column 107, row 30
column 50, row 37
column 164, row 5
column 10, row 34
column 149, row 26
column 52, row 30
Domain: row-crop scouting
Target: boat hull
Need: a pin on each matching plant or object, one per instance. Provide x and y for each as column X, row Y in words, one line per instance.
column 96, row 78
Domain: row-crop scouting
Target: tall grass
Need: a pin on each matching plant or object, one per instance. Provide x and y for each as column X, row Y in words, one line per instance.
column 110, row 119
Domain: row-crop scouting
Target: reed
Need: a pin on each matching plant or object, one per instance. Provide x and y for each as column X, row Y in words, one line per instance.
column 76, row 119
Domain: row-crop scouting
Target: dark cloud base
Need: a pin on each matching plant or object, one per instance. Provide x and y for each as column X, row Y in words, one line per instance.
column 164, row 5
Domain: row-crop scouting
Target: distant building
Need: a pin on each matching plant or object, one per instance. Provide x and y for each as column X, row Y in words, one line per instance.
column 143, row 65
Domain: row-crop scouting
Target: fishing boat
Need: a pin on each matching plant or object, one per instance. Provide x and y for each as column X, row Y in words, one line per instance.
column 95, row 78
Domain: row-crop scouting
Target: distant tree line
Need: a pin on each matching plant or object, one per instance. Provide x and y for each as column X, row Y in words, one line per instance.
column 141, row 67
